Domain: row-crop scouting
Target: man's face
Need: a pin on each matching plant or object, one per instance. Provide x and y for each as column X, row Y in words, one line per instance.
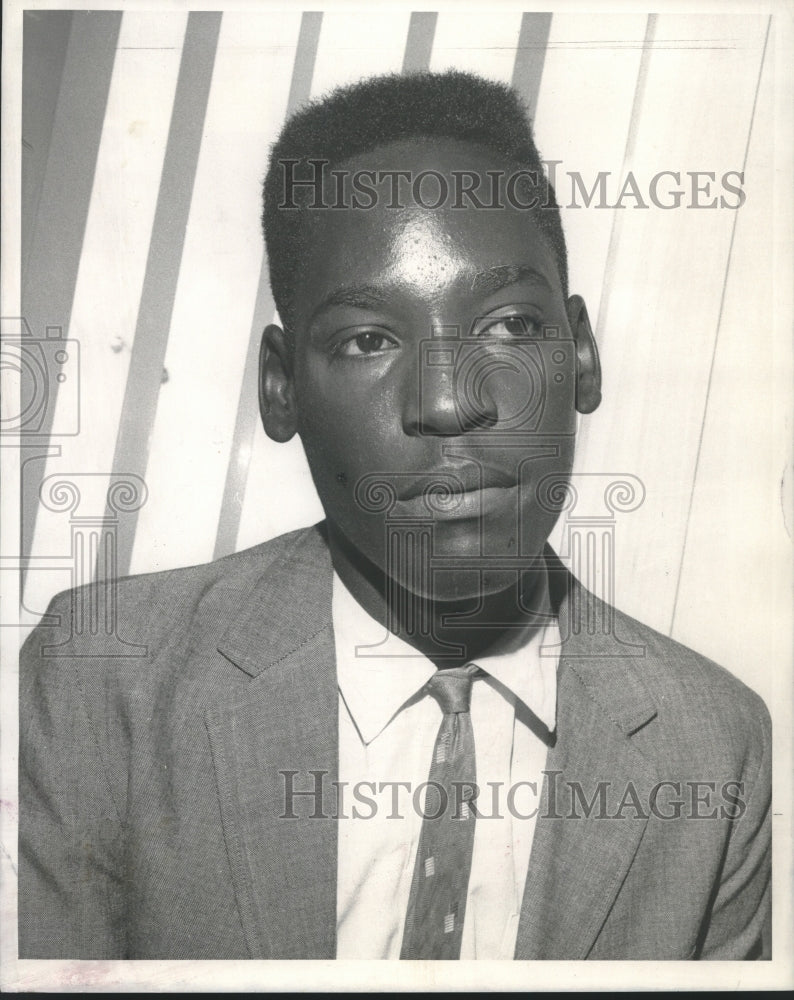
column 434, row 378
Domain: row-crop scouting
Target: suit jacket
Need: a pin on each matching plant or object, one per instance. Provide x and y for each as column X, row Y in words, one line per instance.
column 152, row 786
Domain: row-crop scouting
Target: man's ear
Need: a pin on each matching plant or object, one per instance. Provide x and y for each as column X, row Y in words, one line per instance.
column 277, row 384
column 588, row 365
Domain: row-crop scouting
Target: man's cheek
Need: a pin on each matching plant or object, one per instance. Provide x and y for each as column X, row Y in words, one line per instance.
column 335, row 459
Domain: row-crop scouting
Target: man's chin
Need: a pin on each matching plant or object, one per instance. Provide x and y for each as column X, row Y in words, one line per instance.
column 445, row 563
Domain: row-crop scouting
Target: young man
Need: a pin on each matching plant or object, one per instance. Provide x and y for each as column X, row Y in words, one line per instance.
column 407, row 732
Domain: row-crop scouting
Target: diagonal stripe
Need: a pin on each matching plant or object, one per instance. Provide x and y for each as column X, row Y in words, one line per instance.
column 631, row 140
column 419, row 44
column 55, row 241
column 716, row 341
column 608, row 277
column 128, row 171
column 45, row 40
column 530, row 56
column 162, row 265
column 264, row 308
column 305, row 56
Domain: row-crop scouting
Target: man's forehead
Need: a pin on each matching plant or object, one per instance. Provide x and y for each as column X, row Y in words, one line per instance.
column 426, row 252
column 422, row 238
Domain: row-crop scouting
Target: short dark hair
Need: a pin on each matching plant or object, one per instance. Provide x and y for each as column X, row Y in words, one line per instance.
column 387, row 109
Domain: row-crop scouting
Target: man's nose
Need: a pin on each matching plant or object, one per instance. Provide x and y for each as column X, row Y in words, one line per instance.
column 445, row 403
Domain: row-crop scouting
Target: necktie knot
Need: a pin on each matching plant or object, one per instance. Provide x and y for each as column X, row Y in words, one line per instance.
column 452, row 688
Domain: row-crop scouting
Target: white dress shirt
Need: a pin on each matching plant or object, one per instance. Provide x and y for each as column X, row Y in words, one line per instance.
column 387, row 731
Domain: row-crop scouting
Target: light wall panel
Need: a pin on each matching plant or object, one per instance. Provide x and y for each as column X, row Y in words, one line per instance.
column 216, row 291
column 734, row 590
column 110, row 276
column 660, row 303
column 481, row 42
column 352, row 45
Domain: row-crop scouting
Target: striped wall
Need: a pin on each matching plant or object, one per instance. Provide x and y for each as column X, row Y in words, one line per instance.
column 146, row 136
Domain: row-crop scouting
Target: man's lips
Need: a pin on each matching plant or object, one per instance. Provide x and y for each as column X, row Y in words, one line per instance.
column 470, row 504
column 458, row 493
column 451, row 481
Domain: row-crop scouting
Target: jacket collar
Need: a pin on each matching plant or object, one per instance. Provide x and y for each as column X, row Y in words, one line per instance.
column 608, row 665
column 290, row 603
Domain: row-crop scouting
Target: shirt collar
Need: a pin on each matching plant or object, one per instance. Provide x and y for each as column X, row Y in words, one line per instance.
column 378, row 673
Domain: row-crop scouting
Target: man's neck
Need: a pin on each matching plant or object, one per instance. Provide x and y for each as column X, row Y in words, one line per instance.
column 453, row 630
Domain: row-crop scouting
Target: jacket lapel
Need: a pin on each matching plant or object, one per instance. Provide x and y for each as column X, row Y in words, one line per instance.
column 282, row 739
column 579, row 861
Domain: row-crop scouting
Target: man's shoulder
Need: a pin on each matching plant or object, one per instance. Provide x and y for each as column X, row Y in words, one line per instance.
column 149, row 606
column 669, row 665
column 234, row 570
column 701, row 706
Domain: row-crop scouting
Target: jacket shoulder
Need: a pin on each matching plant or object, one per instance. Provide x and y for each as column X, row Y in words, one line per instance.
column 704, row 710
column 152, row 607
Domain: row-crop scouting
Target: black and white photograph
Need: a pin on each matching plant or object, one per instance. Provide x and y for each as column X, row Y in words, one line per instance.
column 397, row 498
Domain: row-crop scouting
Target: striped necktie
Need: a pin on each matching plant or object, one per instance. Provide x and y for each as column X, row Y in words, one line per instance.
column 437, row 903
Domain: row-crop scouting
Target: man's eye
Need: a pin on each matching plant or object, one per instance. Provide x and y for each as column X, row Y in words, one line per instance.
column 506, row 327
column 362, row 344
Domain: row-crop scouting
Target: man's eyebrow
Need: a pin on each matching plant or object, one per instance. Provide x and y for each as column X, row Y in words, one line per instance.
column 493, row 279
column 362, row 296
